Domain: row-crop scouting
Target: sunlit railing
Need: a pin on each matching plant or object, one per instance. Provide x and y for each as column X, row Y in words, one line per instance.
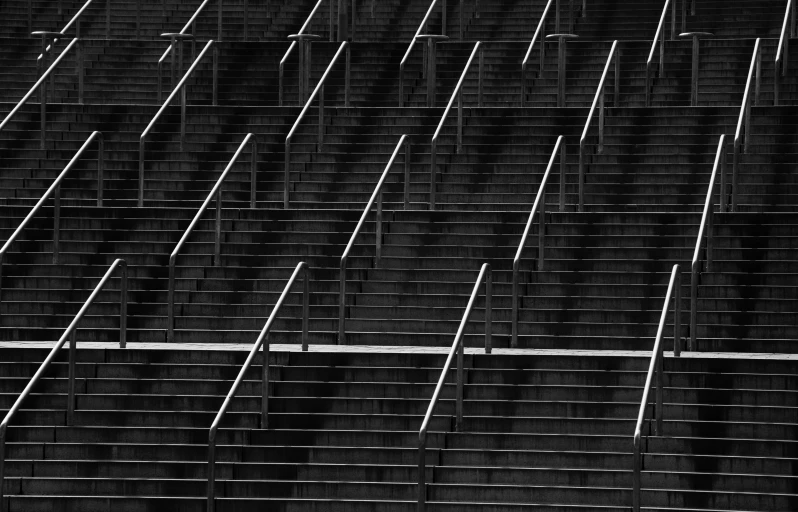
column 743, row 132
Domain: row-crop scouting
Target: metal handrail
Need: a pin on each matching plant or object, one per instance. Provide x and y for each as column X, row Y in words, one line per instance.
column 743, row 131
column 656, row 368
column 69, row 333
column 409, row 48
column 598, row 100
column 659, row 35
column 375, row 196
column 539, row 205
column 191, row 22
column 55, row 189
column 263, row 340
column 288, row 52
column 706, row 225
column 782, row 50
column 76, row 21
column 318, row 91
column 457, row 347
column 539, row 36
column 459, row 96
column 216, row 192
column 178, row 88
column 42, row 81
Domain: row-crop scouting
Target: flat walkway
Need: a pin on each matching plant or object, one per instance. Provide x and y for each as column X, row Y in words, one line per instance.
column 284, row 347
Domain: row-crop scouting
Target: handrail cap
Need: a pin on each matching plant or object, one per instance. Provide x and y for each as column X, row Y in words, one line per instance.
column 562, row 36
column 434, row 37
column 47, row 33
column 299, row 37
column 685, row 35
column 177, row 35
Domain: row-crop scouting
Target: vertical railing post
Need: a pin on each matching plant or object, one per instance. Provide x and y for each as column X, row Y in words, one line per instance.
column 542, row 231
column 561, row 63
column 305, row 309
column 736, row 157
column 215, row 77
column 217, row 244
column 659, row 384
column 459, row 121
column 433, row 174
column 695, row 62
column 321, row 120
column 183, row 95
column 80, row 69
column 73, row 341
column 264, row 384
column 407, row 175
column 758, row 81
column 488, row 310
column 458, row 422
column 253, row 188
column 581, row 179
column 600, row 146
column 636, row 470
column 694, row 276
column 56, row 223
column 123, row 307
column 378, row 232
column 141, row 172
column 100, row 167
column 562, row 177
column 481, row 77
column 347, row 74
column 677, row 315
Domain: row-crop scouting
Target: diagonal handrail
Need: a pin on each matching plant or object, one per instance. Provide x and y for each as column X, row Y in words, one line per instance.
column 76, row 21
column 743, row 132
column 42, row 81
column 375, row 196
column 180, row 86
column 539, row 36
column 281, row 73
column 659, row 35
column 55, row 190
column 539, row 205
column 69, row 334
column 318, row 91
column 706, row 226
column 216, row 192
column 187, row 26
column 457, row 94
column 457, row 348
column 409, row 49
column 598, row 100
column 263, row 340
column 783, row 49
column 655, row 370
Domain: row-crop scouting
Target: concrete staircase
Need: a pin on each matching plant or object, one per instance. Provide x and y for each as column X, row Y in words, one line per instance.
column 547, row 426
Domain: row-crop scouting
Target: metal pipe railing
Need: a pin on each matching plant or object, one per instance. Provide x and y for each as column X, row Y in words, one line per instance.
column 177, row 60
column 706, row 226
column 76, row 21
column 69, row 334
column 55, row 190
column 263, row 340
column 409, row 48
column 539, row 36
column 457, row 94
column 180, row 86
column 457, row 348
column 538, row 206
column 656, row 371
column 216, row 192
column 318, row 91
column 783, row 49
column 598, row 100
column 375, row 196
column 743, row 132
column 42, row 82
column 659, row 35
column 305, row 26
